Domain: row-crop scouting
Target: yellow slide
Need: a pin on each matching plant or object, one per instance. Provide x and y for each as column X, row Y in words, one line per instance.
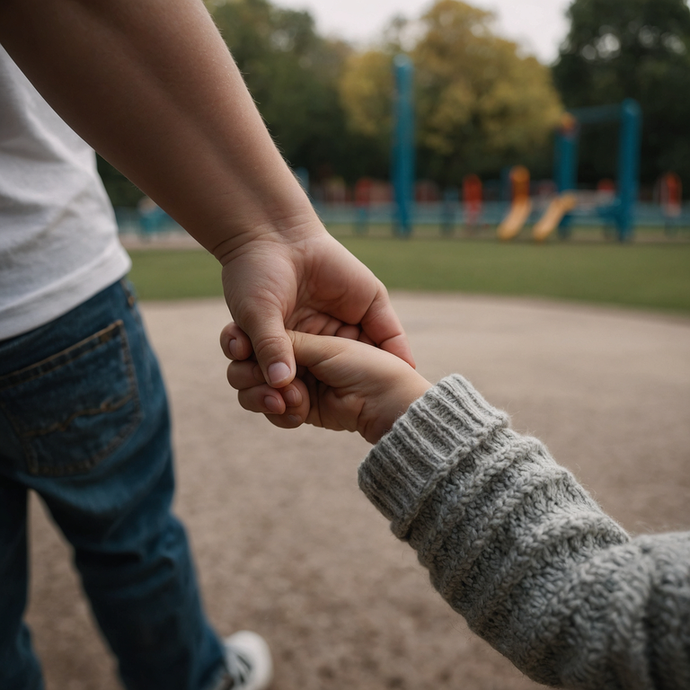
column 554, row 213
column 512, row 224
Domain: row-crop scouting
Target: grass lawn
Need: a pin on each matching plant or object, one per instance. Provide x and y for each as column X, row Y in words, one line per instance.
column 175, row 273
column 649, row 276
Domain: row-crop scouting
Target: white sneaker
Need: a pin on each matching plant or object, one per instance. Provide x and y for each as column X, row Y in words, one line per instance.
column 249, row 661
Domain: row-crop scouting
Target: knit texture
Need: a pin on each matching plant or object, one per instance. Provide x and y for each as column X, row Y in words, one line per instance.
column 514, row 544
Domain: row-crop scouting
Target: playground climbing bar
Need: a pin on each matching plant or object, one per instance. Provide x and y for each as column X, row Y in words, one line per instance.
column 403, row 158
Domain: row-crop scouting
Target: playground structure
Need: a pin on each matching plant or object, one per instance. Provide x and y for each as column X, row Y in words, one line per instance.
column 405, row 202
column 621, row 209
column 557, row 210
column 670, row 196
column 472, row 198
column 618, row 204
column 403, row 158
column 617, row 208
column 521, row 207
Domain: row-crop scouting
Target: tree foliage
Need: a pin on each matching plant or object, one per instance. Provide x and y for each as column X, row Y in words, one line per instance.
column 366, row 89
column 292, row 73
column 638, row 49
column 480, row 105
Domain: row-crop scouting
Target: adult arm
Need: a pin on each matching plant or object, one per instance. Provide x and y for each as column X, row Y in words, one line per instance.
column 519, row 548
column 152, row 87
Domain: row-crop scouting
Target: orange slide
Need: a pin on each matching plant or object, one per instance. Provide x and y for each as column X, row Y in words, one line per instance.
column 521, row 207
column 512, row 224
column 552, row 217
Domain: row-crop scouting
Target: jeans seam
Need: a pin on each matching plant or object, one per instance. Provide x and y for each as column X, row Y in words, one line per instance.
column 62, row 359
column 129, row 291
column 83, row 466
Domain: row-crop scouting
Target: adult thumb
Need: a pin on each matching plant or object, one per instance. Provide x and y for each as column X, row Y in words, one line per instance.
column 272, row 347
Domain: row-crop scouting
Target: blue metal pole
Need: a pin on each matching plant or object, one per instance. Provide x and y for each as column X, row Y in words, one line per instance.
column 403, row 159
column 565, row 173
column 566, row 155
column 628, row 166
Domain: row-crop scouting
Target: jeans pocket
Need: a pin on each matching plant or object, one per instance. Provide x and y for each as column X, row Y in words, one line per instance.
column 76, row 407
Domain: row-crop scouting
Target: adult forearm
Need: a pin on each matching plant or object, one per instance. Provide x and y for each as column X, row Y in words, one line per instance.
column 152, row 87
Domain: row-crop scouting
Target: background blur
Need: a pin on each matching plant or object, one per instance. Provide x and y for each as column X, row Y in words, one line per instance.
column 487, row 122
column 482, row 101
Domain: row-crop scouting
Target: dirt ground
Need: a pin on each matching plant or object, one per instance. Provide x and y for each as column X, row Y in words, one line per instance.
column 287, row 545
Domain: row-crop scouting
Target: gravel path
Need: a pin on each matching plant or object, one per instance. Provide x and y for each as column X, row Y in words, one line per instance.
column 286, row 544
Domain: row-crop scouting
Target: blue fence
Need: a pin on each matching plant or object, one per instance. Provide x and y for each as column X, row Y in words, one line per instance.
column 447, row 215
column 646, row 214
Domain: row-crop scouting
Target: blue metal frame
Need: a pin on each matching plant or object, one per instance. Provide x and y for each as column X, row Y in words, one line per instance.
column 628, row 166
column 403, row 158
column 629, row 115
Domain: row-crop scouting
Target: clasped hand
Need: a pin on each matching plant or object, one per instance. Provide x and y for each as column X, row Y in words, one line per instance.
column 341, row 384
column 305, row 280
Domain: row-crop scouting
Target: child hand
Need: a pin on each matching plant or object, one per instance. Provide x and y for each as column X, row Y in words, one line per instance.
column 340, row 384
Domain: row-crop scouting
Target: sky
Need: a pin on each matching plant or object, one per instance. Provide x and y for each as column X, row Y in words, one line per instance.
column 537, row 25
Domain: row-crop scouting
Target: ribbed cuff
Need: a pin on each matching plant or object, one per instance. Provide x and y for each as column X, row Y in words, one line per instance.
column 435, row 434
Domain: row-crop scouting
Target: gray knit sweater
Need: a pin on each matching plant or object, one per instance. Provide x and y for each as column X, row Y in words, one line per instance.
column 514, row 544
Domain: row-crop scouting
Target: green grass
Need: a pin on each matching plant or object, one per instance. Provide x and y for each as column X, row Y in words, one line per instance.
column 636, row 275
column 656, row 277
column 175, row 273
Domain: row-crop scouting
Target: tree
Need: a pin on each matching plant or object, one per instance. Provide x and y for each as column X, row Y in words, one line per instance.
column 292, row 74
column 480, row 105
column 618, row 49
column 366, row 92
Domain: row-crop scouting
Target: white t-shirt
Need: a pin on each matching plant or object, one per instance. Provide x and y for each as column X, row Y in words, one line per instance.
column 58, row 236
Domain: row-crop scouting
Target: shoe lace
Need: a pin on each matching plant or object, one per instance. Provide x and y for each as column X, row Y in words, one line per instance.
column 239, row 669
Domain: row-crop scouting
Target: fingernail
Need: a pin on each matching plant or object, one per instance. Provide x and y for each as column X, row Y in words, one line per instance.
column 232, row 346
column 278, row 372
column 273, row 405
column 294, row 419
column 291, row 398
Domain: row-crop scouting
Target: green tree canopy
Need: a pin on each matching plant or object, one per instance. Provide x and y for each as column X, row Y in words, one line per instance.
column 480, row 104
column 638, row 49
column 292, row 73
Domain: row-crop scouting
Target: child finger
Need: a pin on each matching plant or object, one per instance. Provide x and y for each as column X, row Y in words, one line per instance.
column 284, row 421
column 285, row 407
column 262, row 398
column 349, row 332
column 318, row 324
column 235, row 343
column 246, row 374
column 298, row 402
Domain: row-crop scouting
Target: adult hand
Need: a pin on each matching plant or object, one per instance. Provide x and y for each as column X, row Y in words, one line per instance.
column 303, row 280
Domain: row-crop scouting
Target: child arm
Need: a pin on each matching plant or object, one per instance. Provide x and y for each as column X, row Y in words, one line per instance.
column 516, row 546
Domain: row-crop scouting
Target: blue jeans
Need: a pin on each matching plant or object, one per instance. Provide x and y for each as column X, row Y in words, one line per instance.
column 84, row 423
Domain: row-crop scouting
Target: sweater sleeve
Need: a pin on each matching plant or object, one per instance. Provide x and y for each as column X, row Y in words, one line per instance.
column 515, row 545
